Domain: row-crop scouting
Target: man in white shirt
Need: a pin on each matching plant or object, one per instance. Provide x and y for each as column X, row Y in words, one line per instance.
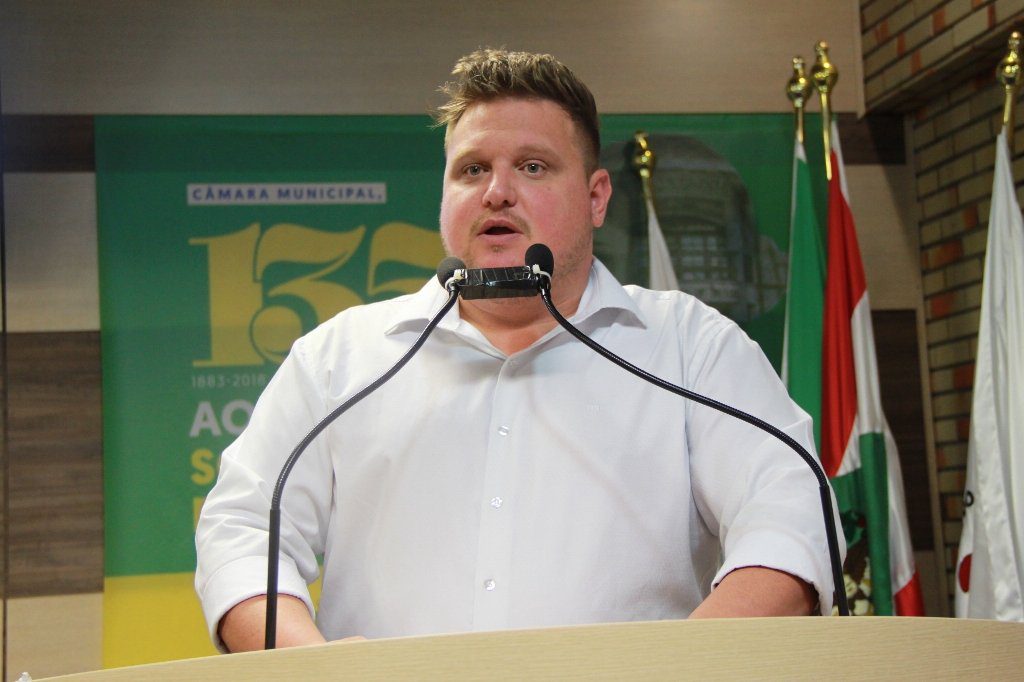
column 508, row 476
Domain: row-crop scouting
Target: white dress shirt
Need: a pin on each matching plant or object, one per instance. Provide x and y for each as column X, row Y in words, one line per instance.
column 479, row 491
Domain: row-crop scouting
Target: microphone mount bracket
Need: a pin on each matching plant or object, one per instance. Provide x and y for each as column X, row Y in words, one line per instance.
column 475, row 283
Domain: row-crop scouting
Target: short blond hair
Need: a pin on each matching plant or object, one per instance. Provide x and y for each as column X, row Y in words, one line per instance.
column 488, row 74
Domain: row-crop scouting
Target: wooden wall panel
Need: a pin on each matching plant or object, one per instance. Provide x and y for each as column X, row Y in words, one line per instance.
column 55, row 540
column 48, row 144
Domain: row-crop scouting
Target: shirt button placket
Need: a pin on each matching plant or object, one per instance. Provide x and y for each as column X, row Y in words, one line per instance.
column 494, row 548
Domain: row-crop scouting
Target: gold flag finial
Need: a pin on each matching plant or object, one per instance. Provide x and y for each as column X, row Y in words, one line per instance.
column 1009, row 76
column 824, row 74
column 643, row 162
column 798, row 89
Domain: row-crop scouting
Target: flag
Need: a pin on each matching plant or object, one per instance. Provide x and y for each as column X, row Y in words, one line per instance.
column 857, row 448
column 805, row 298
column 662, row 275
column 990, row 565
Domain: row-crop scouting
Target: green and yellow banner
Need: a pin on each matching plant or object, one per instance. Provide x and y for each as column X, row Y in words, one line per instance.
column 222, row 239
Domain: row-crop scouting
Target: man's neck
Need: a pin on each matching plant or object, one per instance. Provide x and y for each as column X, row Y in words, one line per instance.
column 514, row 324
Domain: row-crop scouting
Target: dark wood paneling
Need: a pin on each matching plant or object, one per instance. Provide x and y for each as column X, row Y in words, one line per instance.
column 55, row 537
column 872, row 140
column 50, row 143
column 899, row 371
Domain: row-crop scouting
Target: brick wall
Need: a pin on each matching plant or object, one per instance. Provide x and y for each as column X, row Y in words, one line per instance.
column 912, row 46
column 935, row 61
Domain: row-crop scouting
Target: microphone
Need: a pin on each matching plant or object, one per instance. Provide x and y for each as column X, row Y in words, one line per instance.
column 539, row 259
column 445, row 275
column 446, row 270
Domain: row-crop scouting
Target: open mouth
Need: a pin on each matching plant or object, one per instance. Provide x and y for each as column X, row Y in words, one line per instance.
column 499, row 230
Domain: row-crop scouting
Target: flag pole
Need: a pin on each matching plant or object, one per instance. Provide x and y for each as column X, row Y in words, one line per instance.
column 1009, row 76
column 824, row 74
column 661, row 272
column 798, row 89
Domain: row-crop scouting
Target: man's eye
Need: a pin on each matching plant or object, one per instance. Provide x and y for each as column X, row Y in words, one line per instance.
column 533, row 167
column 474, row 169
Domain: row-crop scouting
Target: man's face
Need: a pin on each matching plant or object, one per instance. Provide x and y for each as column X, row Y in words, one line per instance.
column 515, row 176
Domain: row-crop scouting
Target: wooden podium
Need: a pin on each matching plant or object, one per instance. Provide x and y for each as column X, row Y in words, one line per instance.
column 747, row 648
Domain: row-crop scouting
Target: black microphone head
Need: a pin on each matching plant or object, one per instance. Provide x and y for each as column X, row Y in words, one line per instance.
column 541, row 256
column 447, row 268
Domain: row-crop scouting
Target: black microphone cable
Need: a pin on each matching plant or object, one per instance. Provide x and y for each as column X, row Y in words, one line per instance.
column 542, row 262
column 445, row 272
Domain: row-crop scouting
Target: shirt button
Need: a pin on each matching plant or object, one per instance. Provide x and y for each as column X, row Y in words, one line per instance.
column 496, row 502
column 503, row 431
column 489, row 585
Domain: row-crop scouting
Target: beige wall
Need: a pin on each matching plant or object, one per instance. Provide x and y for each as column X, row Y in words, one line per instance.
column 881, row 202
column 325, row 56
column 330, row 57
column 54, row 635
column 52, row 273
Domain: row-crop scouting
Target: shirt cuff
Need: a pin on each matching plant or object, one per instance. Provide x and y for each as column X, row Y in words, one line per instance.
column 786, row 552
column 241, row 579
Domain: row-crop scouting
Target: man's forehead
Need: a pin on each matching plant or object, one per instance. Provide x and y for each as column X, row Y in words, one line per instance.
column 537, row 124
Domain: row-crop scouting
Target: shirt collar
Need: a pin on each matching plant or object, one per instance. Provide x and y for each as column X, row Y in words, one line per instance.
column 603, row 299
column 605, row 293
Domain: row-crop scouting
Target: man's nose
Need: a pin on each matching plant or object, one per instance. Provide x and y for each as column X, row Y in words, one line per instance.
column 501, row 190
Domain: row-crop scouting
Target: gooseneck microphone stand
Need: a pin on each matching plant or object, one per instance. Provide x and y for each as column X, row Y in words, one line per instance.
column 444, row 274
column 527, row 280
column 541, row 261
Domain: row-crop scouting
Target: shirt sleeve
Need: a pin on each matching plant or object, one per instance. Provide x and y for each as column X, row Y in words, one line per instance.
column 752, row 490
column 231, row 536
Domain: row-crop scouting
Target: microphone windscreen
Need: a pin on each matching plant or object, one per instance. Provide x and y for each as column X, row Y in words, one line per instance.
column 447, row 268
column 540, row 254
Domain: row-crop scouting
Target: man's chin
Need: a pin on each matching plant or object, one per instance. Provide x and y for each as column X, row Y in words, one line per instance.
column 510, row 258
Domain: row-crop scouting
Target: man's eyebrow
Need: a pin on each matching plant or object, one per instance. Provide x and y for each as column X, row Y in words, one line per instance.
column 536, row 149
column 523, row 152
column 464, row 154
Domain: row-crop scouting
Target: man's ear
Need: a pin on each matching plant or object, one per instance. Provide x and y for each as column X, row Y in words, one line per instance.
column 600, row 193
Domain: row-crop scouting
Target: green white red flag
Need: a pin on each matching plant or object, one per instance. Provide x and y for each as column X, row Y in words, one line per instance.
column 857, row 448
column 830, row 369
